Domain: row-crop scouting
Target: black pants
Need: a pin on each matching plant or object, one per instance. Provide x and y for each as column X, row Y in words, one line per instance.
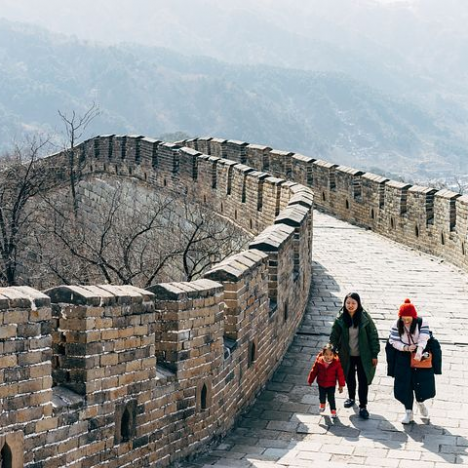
column 355, row 364
column 329, row 393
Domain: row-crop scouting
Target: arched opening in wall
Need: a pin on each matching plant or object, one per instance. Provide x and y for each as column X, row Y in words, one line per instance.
column 204, row 398
column 130, row 170
column 6, row 457
column 251, row 224
column 125, row 422
column 372, row 213
column 416, row 230
column 204, row 198
column 324, row 197
column 164, row 182
column 116, row 169
column 252, row 353
column 222, row 207
column 235, row 214
column 286, row 312
column 442, row 238
column 463, row 248
column 91, row 168
column 125, row 425
column 392, row 222
column 347, row 204
column 146, row 176
column 105, row 167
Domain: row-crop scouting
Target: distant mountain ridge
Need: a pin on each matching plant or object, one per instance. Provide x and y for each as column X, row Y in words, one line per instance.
column 151, row 91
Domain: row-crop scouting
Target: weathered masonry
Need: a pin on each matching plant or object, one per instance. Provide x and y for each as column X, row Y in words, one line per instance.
column 115, row 376
column 426, row 219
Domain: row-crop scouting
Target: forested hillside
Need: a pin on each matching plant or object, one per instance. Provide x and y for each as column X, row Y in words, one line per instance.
column 151, row 91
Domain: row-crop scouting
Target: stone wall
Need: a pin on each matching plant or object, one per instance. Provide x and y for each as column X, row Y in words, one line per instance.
column 116, row 376
column 423, row 218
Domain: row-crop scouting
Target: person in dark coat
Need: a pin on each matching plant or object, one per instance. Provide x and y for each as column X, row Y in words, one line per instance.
column 355, row 337
column 407, row 337
column 327, row 370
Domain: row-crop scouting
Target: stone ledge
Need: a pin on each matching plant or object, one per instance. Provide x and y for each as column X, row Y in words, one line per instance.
column 398, row 185
column 293, row 216
column 447, row 194
column 237, row 266
column 259, row 147
column 302, row 198
column 185, row 291
column 190, row 151
column 349, row 170
column 324, row 164
column 375, row 178
column 22, row 297
column 421, row 189
column 272, row 238
column 101, row 295
column 301, row 157
column 237, row 142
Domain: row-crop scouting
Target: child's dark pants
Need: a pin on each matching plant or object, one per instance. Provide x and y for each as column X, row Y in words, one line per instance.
column 327, row 393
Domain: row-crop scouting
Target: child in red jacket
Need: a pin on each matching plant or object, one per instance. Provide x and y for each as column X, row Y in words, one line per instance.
column 327, row 368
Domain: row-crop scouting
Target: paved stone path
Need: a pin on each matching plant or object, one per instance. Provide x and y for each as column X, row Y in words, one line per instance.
column 283, row 428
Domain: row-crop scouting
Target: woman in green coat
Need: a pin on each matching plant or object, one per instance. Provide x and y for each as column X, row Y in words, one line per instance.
column 355, row 337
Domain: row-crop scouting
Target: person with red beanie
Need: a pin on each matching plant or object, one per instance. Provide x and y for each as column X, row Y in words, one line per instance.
column 327, row 369
column 410, row 334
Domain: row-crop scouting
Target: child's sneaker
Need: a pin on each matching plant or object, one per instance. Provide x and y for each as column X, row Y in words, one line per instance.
column 322, row 407
column 333, row 413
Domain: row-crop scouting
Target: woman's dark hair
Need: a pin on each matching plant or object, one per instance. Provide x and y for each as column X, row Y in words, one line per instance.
column 355, row 320
column 401, row 326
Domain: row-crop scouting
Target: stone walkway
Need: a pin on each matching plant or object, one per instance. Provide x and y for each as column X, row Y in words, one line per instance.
column 284, row 429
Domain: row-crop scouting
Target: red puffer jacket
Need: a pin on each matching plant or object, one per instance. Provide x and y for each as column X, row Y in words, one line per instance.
column 327, row 375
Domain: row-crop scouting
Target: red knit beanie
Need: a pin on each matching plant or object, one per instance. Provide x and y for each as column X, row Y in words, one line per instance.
column 407, row 310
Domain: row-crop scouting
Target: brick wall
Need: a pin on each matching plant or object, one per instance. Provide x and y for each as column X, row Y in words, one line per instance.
column 421, row 217
column 117, row 376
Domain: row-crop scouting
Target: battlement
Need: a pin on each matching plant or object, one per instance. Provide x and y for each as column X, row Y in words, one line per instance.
column 430, row 220
column 115, row 375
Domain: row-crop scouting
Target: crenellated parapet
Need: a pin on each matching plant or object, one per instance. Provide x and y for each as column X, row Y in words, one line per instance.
column 430, row 220
column 115, row 375
column 106, row 375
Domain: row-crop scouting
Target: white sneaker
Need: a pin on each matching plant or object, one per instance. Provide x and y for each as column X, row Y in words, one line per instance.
column 408, row 417
column 423, row 411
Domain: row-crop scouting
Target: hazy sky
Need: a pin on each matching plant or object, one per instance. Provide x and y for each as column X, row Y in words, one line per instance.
column 139, row 20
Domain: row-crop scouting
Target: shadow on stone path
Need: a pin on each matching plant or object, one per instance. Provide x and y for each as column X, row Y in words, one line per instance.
column 284, row 428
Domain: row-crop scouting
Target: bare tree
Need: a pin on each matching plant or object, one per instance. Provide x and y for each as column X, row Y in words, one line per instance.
column 22, row 178
column 206, row 239
column 75, row 125
column 60, row 236
column 121, row 240
column 462, row 185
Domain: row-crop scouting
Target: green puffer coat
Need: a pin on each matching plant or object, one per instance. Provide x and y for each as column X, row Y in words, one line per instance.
column 369, row 345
